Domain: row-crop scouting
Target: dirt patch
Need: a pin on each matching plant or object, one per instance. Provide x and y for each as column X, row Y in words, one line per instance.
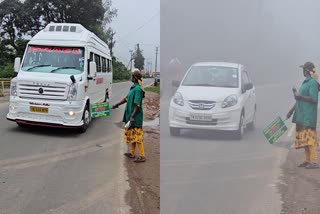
column 151, row 106
column 144, row 178
column 301, row 188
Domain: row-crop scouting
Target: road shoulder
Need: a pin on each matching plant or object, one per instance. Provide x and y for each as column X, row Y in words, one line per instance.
column 144, row 178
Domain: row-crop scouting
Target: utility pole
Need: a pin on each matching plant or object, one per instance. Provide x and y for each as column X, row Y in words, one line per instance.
column 131, row 58
column 155, row 68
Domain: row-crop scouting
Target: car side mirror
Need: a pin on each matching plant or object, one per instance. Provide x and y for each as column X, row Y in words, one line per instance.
column 17, row 62
column 93, row 69
column 175, row 83
column 247, row 87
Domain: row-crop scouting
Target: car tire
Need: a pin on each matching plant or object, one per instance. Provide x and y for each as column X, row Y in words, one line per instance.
column 86, row 119
column 251, row 126
column 174, row 131
column 239, row 133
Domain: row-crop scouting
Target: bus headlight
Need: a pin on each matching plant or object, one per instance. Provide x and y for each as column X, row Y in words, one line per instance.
column 13, row 89
column 72, row 95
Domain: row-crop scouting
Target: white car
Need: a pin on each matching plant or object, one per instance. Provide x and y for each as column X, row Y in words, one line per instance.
column 214, row 96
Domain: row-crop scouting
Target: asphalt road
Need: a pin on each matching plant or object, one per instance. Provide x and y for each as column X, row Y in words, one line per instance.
column 208, row 172
column 48, row 171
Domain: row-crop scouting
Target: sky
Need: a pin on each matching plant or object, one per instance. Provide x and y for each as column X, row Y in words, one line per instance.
column 138, row 21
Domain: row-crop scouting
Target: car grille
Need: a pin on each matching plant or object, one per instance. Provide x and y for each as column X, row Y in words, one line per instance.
column 213, row 122
column 201, row 104
column 50, row 91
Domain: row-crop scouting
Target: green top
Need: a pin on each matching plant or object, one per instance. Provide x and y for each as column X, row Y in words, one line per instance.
column 133, row 98
column 306, row 113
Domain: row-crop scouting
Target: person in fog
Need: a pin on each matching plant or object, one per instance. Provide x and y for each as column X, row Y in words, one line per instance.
column 134, row 113
column 305, row 117
column 174, row 73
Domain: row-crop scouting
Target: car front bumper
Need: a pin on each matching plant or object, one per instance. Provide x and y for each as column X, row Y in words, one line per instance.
column 223, row 121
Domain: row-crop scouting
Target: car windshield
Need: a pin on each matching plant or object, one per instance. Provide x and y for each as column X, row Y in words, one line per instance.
column 212, row 76
column 51, row 59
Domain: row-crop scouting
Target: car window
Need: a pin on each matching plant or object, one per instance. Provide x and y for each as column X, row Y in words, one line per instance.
column 212, row 76
column 245, row 78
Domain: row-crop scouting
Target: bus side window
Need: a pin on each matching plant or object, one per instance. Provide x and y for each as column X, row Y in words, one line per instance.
column 109, row 65
column 104, row 65
column 90, row 60
column 98, row 62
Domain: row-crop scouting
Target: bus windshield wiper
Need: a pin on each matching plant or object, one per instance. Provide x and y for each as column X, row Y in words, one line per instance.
column 37, row 66
column 61, row 68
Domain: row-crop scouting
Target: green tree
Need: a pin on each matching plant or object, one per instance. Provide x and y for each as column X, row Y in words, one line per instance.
column 110, row 33
column 120, row 71
column 12, row 22
column 7, row 71
column 138, row 59
column 93, row 14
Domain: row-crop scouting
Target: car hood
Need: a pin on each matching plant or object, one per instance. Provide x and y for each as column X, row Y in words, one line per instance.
column 46, row 77
column 217, row 94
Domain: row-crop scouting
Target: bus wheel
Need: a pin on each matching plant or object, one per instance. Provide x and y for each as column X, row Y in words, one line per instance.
column 86, row 119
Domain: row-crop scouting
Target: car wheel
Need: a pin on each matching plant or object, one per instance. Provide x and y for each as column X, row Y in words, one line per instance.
column 239, row 133
column 251, row 126
column 86, row 119
column 174, row 131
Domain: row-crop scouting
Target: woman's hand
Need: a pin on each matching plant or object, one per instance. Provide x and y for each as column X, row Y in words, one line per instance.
column 115, row 106
column 297, row 96
column 131, row 119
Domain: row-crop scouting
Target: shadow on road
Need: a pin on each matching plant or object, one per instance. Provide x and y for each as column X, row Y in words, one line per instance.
column 57, row 132
column 207, row 135
column 46, row 131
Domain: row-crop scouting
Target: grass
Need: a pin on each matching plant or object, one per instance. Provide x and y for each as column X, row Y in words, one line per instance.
column 155, row 89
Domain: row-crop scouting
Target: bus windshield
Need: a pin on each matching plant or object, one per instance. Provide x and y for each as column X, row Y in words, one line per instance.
column 52, row 59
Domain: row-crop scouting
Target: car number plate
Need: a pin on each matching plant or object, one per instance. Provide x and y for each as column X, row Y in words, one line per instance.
column 201, row 117
column 38, row 109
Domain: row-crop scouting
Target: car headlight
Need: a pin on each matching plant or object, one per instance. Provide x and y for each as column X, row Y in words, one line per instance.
column 178, row 99
column 72, row 95
column 231, row 100
column 13, row 89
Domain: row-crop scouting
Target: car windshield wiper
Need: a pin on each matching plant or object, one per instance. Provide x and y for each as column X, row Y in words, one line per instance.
column 61, row 68
column 201, row 85
column 228, row 86
column 37, row 66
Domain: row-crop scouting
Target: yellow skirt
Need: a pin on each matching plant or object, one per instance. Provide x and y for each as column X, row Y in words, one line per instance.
column 133, row 135
column 305, row 137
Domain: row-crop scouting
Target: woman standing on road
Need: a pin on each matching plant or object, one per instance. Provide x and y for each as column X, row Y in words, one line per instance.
column 134, row 113
column 305, row 117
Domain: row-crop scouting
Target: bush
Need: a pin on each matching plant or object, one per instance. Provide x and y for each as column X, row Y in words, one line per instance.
column 7, row 71
column 120, row 71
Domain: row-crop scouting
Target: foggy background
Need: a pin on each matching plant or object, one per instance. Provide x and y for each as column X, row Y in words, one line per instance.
column 271, row 37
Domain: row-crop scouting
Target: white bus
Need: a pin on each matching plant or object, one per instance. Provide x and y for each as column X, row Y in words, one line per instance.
column 65, row 69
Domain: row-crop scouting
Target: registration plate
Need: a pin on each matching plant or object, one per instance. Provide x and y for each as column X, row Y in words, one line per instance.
column 38, row 109
column 201, row 117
